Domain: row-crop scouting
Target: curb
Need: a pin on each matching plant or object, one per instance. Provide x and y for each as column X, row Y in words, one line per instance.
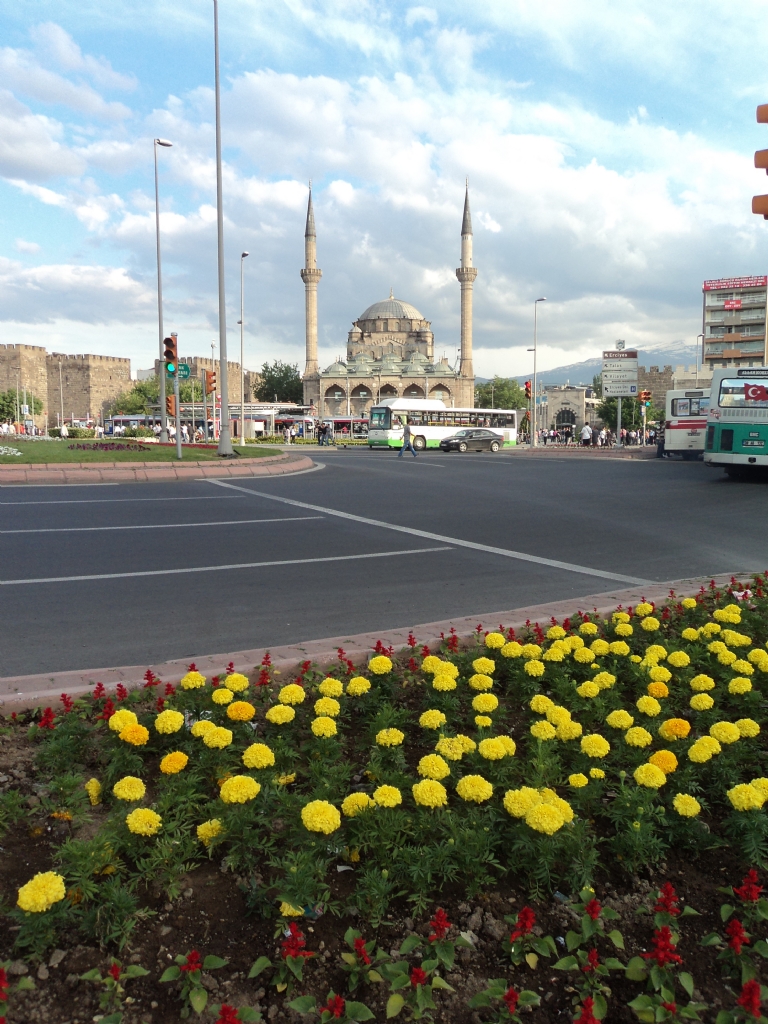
column 141, row 472
column 20, row 692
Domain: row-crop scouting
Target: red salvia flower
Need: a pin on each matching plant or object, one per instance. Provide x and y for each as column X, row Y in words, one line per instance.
column 593, row 909
column 67, row 701
column 418, row 977
column 593, row 961
column 194, row 963
column 295, row 943
column 170, row 690
column 114, row 971
column 120, row 692
column 667, row 900
column 160, row 703
column 413, row 665
column 663, row 951
column 749, row 1000
column 192, row 667
column 150, row 679
column 440, row 925
column 230, row 668
column 479, row 628
column 46, row 722
column 334, row 1006
column 749, row 891
column 215, row 681
column 670, row 1007
column 737, row 937
column 526, row 919
column 453, row 644
column 510, row 998
column 228, row 1015
column 263, row 679
column 266, row 661
column 425, row 651
column 586, row 1016
column 411, row 641
column 3, row 985
column 108, row 710
column 361, row 952
column 99, row 690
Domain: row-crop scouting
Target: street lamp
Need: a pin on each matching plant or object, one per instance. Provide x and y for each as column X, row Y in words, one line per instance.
column 534, row 418
column 163, row 422
column 242, row 365
column 697, row 356
column 225, row 441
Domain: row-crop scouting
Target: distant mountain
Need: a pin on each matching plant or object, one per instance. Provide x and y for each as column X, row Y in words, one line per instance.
column 582, row 373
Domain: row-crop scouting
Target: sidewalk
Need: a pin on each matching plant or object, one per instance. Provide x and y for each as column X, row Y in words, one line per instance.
column 631, row 452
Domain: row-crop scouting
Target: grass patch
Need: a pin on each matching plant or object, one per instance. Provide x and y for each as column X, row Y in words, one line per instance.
column 67, row 450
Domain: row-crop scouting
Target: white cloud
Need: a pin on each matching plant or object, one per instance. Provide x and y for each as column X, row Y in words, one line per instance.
column 30, row 145
column 416, row 14
column 22, row 245
column 57, row 45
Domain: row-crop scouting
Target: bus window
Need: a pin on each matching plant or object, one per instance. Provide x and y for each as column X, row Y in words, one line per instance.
column 681, row 407
column 380, row 419
column 749, row 393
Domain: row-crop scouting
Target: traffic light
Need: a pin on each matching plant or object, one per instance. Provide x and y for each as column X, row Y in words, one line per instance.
column 528, row 390
column 171, row 354
column 170, row 406
column 210, row 381
column 645, row 397
column 760, row 203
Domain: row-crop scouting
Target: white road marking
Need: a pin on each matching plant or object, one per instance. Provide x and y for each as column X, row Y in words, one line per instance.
column 162, row 526
column 112, row 501
column 220, row 568
column 453, row 541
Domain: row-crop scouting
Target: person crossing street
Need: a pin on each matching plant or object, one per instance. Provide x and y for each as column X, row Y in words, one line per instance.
column 407, row 443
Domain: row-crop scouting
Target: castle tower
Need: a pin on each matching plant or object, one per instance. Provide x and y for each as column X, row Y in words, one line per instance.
column 310, row 275
column 466, row 274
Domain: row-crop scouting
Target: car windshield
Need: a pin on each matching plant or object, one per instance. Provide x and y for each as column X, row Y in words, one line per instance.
column 462, row 433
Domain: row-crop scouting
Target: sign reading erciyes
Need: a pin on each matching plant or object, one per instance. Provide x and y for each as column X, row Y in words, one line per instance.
column 756, row 371
column 629, row 353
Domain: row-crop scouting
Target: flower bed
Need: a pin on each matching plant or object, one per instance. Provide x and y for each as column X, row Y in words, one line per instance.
column 557, row 779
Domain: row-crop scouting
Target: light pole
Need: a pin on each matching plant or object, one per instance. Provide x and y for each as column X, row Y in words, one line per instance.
column 163, row 422
column 225, row 442
column 534, row 419
column 242, row 365
column 697, row 355
column 213, row 396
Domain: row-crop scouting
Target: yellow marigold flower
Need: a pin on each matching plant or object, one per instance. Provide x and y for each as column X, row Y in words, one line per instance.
column 690, row 634
column 594, row 745
column 701, row 702
column 355, row 804
column 711, row 628
column 556, row 715
column 121, row 719
column 543, row 731
column 485, row 703
column 239, row 789
column 596, row 773
column 656, row 651
column 739, row 685
column 135, row 734
column 549, row 796
column 41, row 892
column 620, row 617
column 285, row 780
column 320, row 816
column 574, row 642
column 544, row 818
column 588, row 629
column 509, row 745
column 725, row 732
column 218, row 738
column 531, row 651
column 620, row 719
column 327, row 706
column 279, row 714
column 729, row 658
column 658, row 690
column 517, row 802
column 169, row 721
column 686, row 806
column 474, row 789
column 734, row 639
column 331, row 687
column 292, row 694
column 588, row 689
column 748, row 728
column 358, row 686
column 93, row 789
column 702, row 682
column 674, row 729
column 540, row 703
column 389, row 737
column 429, row 793
column 650, row 776
column 432, row 719
column 761, row 785
column 144, row 822
column 648, row 706
column 555, row 633
column 600, row 648
column 623, row 629
column 241, row 711
column 380, row 665
column 665, row 760
column 258, row 755
column 578, row 781
column 638, row 737
column 716, row 647
column 443, row 682
column 495, row 641
column 192, row 681
column 431, row 663
column 555, row 654
column 757, row 655
column 700, row 752
column 650, row 624
column 450, row 747
column 688, row 603
column 288, row 910
column 480, row 682
column 569, row 730
column 387, row 796
column 129, row 788
column 467, row 745
column 659, row 674
column 635, row 659
column 483, row 721
column 221, row 695
column 323, row 727
column 432, row 766
column 512, row 650
column 202, row 727
column 604, row 680
column 643, row 609
column 447, row 668
column 237, row 682
column 583, row 655
column 742, row 666
column 492, row 749
column 174, row 763
column 485, row 666
column 208, row 830
column 746, row 797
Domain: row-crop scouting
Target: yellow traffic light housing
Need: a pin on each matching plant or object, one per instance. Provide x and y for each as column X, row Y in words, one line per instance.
column 171, row 354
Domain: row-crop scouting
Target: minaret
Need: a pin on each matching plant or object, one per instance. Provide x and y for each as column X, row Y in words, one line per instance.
column 466, row 274
column 310, row 275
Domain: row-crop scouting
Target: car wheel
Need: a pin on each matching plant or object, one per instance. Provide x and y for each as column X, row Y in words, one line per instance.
column 419, row 444
column 463, row 446
column 494, row 446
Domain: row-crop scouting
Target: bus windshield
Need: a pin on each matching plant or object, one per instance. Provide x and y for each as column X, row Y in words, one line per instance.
column 380, row 419
column 744, row 393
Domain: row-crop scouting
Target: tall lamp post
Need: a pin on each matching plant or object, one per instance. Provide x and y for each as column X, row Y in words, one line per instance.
column 242, row 364
column 163, row 422
column 225, row 441
column 697, row 356
column 534, row 418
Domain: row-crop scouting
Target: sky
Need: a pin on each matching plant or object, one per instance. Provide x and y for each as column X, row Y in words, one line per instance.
column 609, row 151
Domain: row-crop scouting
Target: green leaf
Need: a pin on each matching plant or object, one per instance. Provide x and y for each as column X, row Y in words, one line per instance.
column 713, row 939
column 170, row 974
column 528, row 998
column 644, row 1009
column 445, row 952
column 725, row 911
column 572, row 941
column 134, row 971
column 613, row 964
column 374, row 976
column 350, row 935
column 198, row 997
column 762, row 908
column 724, row 1017
column 481, row 999
column 690, row 912
column 686, row 981
column 438, row 982
column 542, row 947
column 358, row 1011
column 213, row 963
column 260, row 965
column 532, row 960
column 25, row 984
column 112, row 1018
column 304, row 1004
column 761, row 947
column 410, row 942
column 395, row 1003
column 616, row 938
column 689, row 1012
column 349, row 958
column 93, row 975
column 295, row 965
column 601, row 1006
column 636, row 969
column 399, row 981
column 249, row 1015
column 568, row 963
column 609, row 914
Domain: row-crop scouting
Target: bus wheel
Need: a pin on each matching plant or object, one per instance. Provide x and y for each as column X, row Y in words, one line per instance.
column 419, row 444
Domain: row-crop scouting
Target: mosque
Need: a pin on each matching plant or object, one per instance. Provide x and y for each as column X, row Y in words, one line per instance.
column 391, row 347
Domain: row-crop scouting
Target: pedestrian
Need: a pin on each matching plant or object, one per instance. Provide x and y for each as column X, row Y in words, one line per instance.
column 293, row 433
column 406, row 441
column 586, row 435
column 185, row 433
column 660, row 454
column 64, row 430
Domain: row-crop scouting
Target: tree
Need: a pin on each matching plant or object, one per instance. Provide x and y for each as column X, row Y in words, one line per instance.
column 500, row 393
column 9, row 409
column 146, row 393
column 279, row 381
column 597, row 385
column 631, row 414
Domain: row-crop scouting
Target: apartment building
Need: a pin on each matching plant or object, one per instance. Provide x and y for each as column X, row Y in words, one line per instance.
column 733, row 322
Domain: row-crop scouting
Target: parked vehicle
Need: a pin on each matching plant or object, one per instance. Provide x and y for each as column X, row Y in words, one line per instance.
column 478, row 440
column 685, row 422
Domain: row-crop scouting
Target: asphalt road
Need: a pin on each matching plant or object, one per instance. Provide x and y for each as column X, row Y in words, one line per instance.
column 101, row 576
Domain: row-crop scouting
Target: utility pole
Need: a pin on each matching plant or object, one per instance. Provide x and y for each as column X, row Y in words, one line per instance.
column 225, row 442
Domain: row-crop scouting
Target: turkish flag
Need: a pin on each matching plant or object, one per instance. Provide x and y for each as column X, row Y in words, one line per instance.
column 756, row 392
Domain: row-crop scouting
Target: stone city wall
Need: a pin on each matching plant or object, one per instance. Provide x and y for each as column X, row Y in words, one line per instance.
column 90, row 384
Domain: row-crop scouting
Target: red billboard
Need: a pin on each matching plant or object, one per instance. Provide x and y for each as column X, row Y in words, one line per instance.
column 732, row 304
column 734, row 282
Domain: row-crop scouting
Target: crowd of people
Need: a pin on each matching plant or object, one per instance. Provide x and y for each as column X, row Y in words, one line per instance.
column 591, row 437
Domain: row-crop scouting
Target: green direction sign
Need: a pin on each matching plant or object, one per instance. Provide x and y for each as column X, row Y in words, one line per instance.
column 183, row 371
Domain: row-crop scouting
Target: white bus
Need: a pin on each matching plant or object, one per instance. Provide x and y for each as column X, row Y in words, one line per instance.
column 685, row 422
column 431, row 421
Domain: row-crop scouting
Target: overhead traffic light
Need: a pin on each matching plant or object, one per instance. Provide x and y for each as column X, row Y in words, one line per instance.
column 171, row 354
column 210, row 381
column 645, row 397
column 760, row 203
column 528, row 390
column 170, row 406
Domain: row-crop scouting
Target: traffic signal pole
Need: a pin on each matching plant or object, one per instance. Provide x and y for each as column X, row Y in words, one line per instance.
column 179, row 455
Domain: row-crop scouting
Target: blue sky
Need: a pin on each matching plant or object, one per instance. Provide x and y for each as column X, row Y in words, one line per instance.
column 608, row 146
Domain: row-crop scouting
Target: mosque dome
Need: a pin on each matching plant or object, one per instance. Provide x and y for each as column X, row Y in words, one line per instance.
column 391, row 308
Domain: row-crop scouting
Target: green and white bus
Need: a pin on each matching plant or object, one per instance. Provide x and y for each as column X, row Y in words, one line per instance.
column 431, row 421
column 737, row 424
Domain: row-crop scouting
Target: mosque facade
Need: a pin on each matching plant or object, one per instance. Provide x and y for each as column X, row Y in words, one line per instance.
column 390, row 348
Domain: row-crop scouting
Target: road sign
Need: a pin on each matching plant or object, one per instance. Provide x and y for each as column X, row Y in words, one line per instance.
column 620, row 389
column 183, row 370
column 620, row 376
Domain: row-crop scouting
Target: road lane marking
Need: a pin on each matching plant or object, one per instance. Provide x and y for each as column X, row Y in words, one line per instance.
column 114, row 501
column 453, row 541
column 220, row 568
column 162, row 526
